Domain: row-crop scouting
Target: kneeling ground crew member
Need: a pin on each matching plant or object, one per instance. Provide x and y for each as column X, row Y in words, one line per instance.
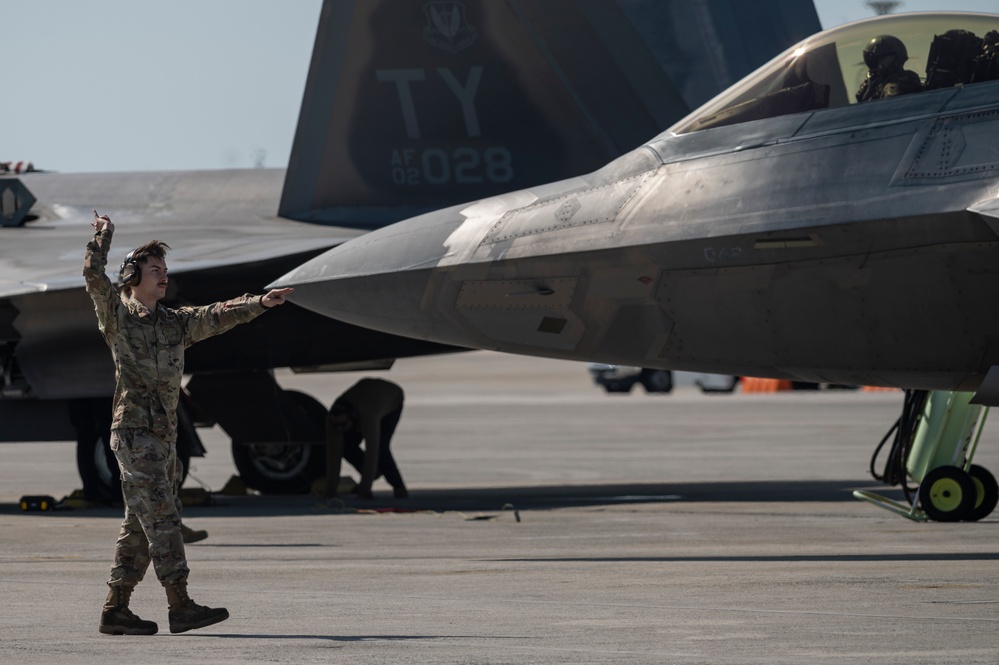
column 369, row 410
column 147, row 342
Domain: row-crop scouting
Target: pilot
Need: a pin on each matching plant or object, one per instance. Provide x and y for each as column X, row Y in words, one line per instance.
column 368, row 410
column 884, row 56
column 987, row 63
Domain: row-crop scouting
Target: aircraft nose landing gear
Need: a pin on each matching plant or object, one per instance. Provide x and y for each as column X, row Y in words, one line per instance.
column 935, row 441
column 947, row 494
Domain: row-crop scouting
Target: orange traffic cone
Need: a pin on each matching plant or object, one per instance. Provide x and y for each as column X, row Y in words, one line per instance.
column 753, row 384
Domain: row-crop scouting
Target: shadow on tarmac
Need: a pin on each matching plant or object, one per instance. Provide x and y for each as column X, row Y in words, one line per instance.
column 777, row 558
column 515, row 499
column 352, row 638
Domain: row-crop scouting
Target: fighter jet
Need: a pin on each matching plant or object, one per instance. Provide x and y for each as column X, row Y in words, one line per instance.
column 409, row 106
column 784, row 229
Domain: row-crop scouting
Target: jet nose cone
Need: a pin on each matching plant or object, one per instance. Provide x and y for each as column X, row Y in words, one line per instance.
column 377, row 280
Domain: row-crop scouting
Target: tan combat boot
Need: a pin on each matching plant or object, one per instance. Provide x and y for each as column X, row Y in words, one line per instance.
column 117, row 619
column 185, row 614
column 192, row 535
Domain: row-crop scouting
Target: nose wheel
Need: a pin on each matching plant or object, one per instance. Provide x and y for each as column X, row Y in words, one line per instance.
column 987, row 494
column 936, row 429
column 951, row 494
column 947, row 494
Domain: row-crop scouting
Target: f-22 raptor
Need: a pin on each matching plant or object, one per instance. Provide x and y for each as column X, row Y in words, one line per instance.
column 796, row 226
column 409, row 107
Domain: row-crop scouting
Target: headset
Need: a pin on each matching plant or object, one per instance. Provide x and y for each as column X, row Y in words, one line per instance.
column 130, row 273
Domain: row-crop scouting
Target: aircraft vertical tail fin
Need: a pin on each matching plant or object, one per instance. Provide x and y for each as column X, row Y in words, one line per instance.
column 412, row 106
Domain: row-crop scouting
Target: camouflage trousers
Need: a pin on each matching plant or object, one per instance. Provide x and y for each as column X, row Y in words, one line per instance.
column 150, row 531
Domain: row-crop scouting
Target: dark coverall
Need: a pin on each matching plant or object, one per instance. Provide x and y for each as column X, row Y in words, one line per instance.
column 374, row 407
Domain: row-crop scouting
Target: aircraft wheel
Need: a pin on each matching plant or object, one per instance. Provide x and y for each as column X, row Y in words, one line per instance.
column 105, row 468
column 284, row 467
column 619, row 386
column 947, row 494
column 657, row 380
column 986, row 496
column 96, row 462
column 273, row 468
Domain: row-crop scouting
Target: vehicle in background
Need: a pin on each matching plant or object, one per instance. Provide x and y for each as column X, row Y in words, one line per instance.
column 622, row 378
column 716, row 383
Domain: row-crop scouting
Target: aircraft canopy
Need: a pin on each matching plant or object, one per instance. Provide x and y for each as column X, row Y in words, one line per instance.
column 827, row 69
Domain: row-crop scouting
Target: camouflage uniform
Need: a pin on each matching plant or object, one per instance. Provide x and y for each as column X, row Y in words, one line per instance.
column 148, row 350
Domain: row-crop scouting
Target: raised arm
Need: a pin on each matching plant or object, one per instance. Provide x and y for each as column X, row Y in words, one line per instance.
column 102, row 223
column 100, row 288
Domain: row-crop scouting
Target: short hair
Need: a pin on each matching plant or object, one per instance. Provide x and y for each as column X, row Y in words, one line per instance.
column 156, row 248
column 131, row 268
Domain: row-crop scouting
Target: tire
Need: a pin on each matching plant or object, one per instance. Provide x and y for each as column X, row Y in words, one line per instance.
column 986, row 496
column 947, row 494
column 183, row 454
column 105, row 468
column 285, row 467
column 95, row 463
column 657, row 380
column 619, row 386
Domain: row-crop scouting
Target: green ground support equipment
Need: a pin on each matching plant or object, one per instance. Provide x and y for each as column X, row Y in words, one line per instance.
column 935, row 441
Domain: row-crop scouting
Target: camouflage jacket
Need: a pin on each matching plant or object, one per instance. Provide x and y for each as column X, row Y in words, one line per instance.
column 148, row 347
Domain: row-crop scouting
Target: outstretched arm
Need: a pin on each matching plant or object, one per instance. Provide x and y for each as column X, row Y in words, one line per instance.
column 274, row 297
column 203, row 322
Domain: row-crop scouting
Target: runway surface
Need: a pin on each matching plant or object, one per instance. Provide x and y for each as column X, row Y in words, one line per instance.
column 548, row 522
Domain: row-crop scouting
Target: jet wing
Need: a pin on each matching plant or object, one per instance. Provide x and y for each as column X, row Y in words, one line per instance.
column 217, row 248
column 206, row 226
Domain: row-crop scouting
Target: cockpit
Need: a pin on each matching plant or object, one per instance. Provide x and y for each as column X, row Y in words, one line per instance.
column 840, row 67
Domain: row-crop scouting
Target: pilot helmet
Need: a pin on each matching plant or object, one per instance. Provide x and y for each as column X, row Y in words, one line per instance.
column 885, row 52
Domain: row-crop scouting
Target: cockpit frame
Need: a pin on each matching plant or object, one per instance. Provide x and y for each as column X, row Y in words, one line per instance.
column 827, row 69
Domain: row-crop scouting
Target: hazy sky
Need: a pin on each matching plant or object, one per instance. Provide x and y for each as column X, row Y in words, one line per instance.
column 125, row 85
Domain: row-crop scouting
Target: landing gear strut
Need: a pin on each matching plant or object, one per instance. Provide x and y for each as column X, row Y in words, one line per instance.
column 935, row 441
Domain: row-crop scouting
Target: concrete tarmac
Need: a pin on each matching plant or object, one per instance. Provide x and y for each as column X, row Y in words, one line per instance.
column 548, row 522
